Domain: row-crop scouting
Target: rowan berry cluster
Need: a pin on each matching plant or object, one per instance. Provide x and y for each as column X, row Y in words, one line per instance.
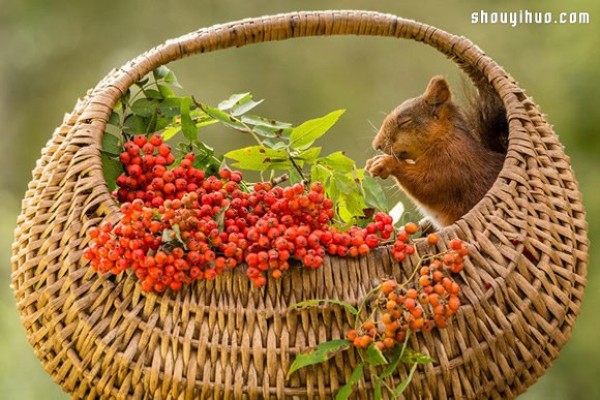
column 179, row 225
column 147, row 176
column 427, row 303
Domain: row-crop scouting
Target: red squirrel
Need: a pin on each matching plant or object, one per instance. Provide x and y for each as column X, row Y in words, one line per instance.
column 439, row 156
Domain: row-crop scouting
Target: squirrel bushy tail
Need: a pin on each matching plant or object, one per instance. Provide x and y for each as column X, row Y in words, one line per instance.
column 486, row 115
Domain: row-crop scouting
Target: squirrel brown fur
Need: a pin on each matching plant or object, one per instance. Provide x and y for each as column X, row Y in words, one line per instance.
column 445, row 158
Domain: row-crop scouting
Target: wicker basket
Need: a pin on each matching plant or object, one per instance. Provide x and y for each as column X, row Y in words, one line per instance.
column 101, row 337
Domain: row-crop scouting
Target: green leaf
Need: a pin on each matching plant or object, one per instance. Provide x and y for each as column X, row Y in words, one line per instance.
column 398, row 390
column 160, row 72
column 171, row 131
column 337, row 161
column 317, row 302
column 260, row 158
column 373, row 193
column 394, row 360
column 141, row 83
column 343, row 183
column 171, row 79
column 188, row 127
column 321, row 353
column 377, row 395
column 410, row 357
column 223, row 117
column 294, row 176
column 152, row 94
column 165, row 91
column 234, row 100
column 144, row 107
column 309, row 155
column 318, row 173
column 136, row 125
column 112, row 168
column 304, row 136
column 111, row 144
column 115, row 119
column 374, row 356
column 264, row 122
column 170, row 107
column 346, row 390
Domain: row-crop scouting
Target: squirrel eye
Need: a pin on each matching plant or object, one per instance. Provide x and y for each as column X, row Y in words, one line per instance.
column 404, row 121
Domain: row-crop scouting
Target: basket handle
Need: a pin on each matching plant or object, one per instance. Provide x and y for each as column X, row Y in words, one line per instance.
column 481, row 69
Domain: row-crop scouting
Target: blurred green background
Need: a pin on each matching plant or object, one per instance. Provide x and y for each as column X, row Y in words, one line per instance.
column 52, row 52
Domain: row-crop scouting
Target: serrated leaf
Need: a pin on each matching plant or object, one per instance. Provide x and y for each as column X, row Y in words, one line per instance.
column 413, row 357
column 321, row 353
column 111, row 144
column 343, row 183
column 373, row 193
column 188, row 127
column 374, row 356
column 337, row 161
column 144, row 107
column 260, row 158
column 111, row 168
column 318, row 173
column 346, row 390
column 304, row 135
column 398, row 390
column 317, row 302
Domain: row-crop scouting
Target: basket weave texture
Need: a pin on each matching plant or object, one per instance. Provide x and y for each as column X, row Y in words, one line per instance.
column 101, row 337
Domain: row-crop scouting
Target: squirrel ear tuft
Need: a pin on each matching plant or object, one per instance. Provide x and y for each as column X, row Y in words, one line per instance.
column 437, row 92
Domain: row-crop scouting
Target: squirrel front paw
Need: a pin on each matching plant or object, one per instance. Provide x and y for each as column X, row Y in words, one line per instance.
column 381, row 165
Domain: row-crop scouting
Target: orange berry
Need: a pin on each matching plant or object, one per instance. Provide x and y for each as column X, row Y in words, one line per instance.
column 440, row 321
column 351, row 335
column 424, row 271
column 410, row 304
column 453, row 303
column 437, row 276
column 411, row 293
column 389, row 342
column 391, row 305
column 380, row 345
column 456, row 244
column 276, row 273
column 411, row 228
column 387, row 318
column 456, row 267
column 433, row 299
column 416, row 324
column 424, row 281
column 368, row 325
column 388, row 286
column 433, row 239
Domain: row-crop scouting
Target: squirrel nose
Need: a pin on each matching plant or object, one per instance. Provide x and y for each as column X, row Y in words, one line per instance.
column 377, row 143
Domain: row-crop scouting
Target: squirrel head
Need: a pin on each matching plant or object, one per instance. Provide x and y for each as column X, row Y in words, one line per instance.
column 416, row 124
